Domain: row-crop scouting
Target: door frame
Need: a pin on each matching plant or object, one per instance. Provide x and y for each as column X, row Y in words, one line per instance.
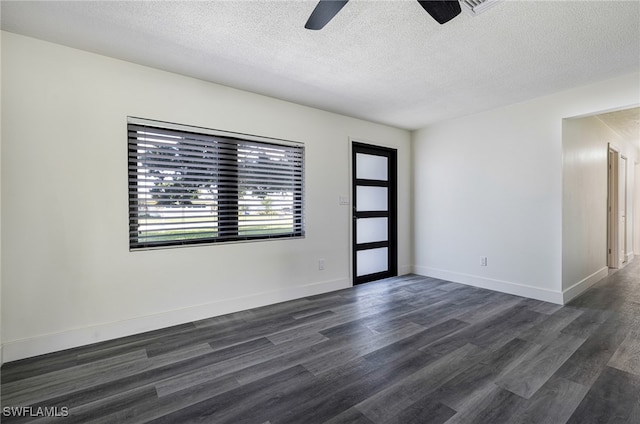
column 623, row 165
column 613, row 205
column 392, row 154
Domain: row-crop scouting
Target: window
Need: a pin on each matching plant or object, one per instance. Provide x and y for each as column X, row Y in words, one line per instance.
column 193, row 185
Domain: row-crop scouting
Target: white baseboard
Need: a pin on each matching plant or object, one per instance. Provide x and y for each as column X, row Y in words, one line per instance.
column 492, row 284
column 629, row 257
column 582, row 285
column 47, row 343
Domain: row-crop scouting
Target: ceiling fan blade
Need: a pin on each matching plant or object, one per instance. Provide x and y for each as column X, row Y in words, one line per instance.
column 325, row 11
column 443, row 10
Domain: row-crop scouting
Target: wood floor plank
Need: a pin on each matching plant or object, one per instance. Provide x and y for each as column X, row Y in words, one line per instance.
column 634, row 416
column 227, row 337
column 240, row 349
column 547, row 308
column 472, row 384
column 489, row 310
column 348, row 394
column 44, row 364
column 393, row 400
column 529, row 376
column 504, row 327
column 313, row 311
column 37, row 388
column 627, row 356
column 495, row 331
column 312, row 396
column 109, row 405
column 128, row 344
column 350, row 416
column 612, row 398
column 214, row 368
column 424, row 410
column 549, row 327
column 136, row 375
column 359, row 348
column 322, row 387
column 495, row 406
column 424, row 338
column 294, row 356
column 585, row 325
column 554, row 403
column 586, row 364
column 151, row 409
column 343, row 315
column 220, row 408
column 434, row 314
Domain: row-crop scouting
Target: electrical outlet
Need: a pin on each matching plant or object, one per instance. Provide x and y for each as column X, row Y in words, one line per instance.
column 483, row 261
column 320, row 264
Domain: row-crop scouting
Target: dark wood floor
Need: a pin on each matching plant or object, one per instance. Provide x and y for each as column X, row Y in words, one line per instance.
column 405, row 350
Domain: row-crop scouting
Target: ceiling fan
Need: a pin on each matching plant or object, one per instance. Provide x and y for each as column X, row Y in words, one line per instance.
column 440, row 10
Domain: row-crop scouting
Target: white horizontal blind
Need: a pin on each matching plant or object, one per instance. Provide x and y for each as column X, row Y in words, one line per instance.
column 189, row 186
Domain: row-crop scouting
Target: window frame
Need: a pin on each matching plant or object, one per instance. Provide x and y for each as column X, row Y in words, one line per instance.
column 231, row 206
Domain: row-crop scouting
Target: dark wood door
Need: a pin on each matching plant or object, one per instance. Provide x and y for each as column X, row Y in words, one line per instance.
column 375, row 234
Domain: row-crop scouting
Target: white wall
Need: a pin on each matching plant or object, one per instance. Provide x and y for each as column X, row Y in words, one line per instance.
column 636, row 208
column 490, row 184
column 68, row 276
column 1, row 357
column 584, row 211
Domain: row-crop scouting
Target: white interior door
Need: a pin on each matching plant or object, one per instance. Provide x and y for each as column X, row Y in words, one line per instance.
column 622, row 237
column 613, row 206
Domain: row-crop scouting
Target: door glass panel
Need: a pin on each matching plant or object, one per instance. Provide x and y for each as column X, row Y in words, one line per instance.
column 371, row 198
column 371, row 167
column 372, row 261
column 372, row 229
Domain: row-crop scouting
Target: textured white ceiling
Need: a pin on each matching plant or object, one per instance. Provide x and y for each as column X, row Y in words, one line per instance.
column 624, row 122
column 384, row 61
